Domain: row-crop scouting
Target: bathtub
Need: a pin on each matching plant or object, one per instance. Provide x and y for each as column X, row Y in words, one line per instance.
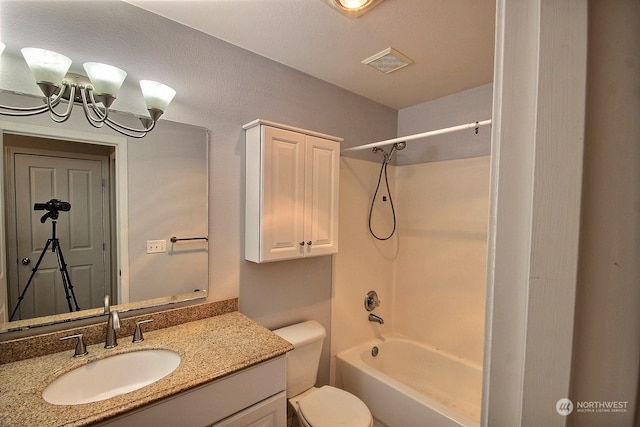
column 408, row 384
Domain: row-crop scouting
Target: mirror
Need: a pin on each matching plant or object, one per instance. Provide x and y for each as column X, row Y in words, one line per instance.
column 149, row 190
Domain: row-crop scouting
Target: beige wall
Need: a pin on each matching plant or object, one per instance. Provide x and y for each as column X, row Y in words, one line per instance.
column 440, row 272
column 363, row 263
column 607, row 343
column 430, row 276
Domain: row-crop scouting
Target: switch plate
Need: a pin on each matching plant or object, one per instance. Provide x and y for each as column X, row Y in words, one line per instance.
column 156, row 246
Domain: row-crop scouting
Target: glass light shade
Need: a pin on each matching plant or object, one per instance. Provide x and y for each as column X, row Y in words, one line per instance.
column 353, row 4
column 105, row 79
column 2, row 46
column 46, row 65
column 156, row 95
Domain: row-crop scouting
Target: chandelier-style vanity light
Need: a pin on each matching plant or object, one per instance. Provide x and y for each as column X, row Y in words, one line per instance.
column 96, row 91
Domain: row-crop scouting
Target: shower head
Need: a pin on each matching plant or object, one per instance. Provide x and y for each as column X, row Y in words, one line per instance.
column 397, row 146
column 394, row 147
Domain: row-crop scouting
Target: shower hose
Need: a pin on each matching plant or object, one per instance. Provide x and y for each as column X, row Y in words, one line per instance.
column 383, row 170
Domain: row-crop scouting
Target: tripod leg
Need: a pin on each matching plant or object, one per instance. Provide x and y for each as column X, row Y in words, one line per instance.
column 66, row 280
column 33, row 273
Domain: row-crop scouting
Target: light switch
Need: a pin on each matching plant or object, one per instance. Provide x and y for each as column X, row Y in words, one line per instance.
column 156, row 246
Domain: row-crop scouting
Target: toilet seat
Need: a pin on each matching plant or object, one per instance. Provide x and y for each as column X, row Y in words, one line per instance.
column 331, row 407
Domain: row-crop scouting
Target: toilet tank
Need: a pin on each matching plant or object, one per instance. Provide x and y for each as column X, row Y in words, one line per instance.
column 302, row 362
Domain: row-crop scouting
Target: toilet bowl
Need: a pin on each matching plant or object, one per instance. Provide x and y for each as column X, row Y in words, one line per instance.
column 326, row 406
column 330, row 406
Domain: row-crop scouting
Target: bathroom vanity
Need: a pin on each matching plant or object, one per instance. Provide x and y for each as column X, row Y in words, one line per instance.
column 231, row 373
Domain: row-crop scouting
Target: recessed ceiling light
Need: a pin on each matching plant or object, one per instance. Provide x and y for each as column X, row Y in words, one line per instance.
column 352, row 8
column 352, row 4
column 388, row 60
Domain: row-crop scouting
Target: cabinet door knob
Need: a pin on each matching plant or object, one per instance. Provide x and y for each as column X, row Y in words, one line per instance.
column 309, row 242
column 301, row 243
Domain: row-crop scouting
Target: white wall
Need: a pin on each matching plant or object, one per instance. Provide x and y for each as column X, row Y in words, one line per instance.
column 440, row 272
column 468, row 106
column 536, row 173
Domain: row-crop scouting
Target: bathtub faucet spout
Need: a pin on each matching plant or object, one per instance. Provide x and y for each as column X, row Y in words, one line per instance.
column 375, row 318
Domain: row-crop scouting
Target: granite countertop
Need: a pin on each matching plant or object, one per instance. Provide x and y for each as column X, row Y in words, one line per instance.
column 210, row 349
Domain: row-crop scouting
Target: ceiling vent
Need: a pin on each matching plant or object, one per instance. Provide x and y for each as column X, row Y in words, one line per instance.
column 388, row 61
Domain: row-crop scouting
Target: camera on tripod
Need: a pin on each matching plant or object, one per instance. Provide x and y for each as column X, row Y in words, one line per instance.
column 54, row 206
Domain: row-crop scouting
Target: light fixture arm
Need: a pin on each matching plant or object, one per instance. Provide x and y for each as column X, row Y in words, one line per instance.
column 31, row 111
column 55, row 116
column 103, row 116
column 132, row 132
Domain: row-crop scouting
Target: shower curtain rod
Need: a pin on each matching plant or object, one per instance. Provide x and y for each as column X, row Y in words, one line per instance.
column 407, row 138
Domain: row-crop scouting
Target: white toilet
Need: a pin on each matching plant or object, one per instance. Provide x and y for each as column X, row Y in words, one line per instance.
column 317, row 407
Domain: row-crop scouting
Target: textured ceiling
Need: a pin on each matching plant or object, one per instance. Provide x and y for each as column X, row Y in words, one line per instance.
column 450, row 41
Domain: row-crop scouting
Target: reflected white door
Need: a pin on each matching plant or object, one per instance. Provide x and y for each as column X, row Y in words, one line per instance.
column 81, row 233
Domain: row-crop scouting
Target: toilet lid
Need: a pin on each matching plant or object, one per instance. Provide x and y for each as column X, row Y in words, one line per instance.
column 331, row 407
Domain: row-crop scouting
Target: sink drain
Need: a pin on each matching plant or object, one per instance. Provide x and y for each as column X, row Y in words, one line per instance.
column 374, row 351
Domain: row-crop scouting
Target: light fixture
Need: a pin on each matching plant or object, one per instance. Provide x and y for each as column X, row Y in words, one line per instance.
column 352, row 8
column 352, row 4
column 96, row 91
column 388, row 60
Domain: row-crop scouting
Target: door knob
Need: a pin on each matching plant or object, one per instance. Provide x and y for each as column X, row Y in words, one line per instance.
column 26, row 261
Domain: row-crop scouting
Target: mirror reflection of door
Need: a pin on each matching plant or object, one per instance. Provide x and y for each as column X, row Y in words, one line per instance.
column 83, row 232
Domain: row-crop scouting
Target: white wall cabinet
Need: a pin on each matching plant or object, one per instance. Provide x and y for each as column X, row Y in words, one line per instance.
column 255, row 396
column 292, row 180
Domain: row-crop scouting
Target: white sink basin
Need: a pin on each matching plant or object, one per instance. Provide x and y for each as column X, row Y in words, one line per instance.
column 111, row 376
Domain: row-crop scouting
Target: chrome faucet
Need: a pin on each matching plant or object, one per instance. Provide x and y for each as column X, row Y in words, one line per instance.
column 375, row 318
column 113, row 324
column 107, row 307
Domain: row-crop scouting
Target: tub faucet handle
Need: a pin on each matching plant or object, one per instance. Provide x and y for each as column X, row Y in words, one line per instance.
column 371, row 301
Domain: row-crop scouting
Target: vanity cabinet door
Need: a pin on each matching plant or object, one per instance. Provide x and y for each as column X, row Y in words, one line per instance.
column 291, row 193
column 271, row 412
